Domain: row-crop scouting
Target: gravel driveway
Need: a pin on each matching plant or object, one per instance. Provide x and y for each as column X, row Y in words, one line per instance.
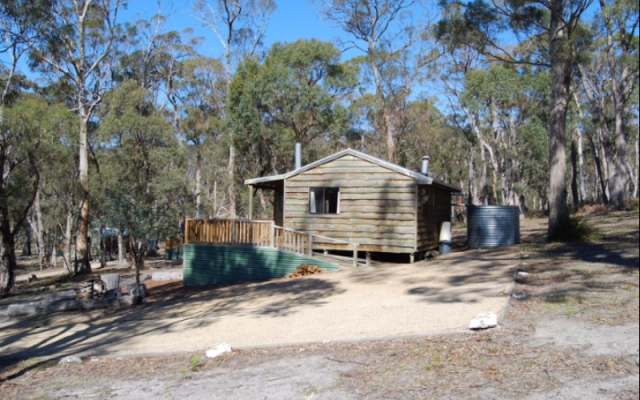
column 387, row 300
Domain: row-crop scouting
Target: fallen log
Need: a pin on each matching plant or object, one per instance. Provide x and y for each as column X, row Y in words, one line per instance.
column 64, row 295
column 46, row 307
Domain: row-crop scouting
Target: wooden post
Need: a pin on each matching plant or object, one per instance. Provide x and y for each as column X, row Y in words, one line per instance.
column 412, row 258
column 310, row 245
column 233, row 233
column 368, row 259
column 186, row 231
column 355, row 255
column 250, row 202
column 273, row 234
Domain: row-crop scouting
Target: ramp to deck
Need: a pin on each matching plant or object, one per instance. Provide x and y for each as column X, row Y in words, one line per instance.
column 209, row 264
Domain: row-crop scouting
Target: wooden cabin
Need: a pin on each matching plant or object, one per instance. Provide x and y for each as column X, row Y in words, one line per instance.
column 353, row 198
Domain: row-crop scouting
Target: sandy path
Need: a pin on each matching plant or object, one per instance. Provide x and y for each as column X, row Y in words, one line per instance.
column 428, row 297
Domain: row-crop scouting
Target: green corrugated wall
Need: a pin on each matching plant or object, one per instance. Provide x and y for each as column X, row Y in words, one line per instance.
column 215, row 264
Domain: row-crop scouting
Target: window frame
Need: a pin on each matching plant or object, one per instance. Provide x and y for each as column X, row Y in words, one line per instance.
column 312, row 204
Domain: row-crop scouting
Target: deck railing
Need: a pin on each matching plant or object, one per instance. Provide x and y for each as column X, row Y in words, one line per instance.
column 296, row 241
column 229, row 231
column 237, row 232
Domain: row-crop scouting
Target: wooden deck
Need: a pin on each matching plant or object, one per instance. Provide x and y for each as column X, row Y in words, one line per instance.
column 238, row 232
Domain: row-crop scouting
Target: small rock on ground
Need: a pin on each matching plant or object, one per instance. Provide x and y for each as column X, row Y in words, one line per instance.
column 484, row 321
column 218, row 349
column 70, row 360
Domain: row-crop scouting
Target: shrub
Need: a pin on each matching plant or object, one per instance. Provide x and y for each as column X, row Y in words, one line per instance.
column 575, row 229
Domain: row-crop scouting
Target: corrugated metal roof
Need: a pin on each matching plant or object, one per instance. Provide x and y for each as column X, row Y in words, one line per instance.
column 417, row 176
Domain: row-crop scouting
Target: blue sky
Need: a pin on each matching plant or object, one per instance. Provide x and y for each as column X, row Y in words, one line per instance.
column 292, row 20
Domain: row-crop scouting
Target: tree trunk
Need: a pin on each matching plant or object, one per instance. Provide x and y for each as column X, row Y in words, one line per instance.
column 66, row 252
column 633, row 172
column 583, row 190
column 484, row 187
column 198, row 181
column 121, row 250
column 574, row 171
column 473, row 188
column 38, row 227
column 387, row 124
column 560, row 83
column 53, row 261
column 8, row 261
column 619, row 86
column 26, row 241
column 232, row 186
column 82, row 239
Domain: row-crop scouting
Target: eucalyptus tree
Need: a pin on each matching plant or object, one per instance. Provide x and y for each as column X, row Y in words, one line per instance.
column 395, row 51
column 21, row 23
column 505, row 104
column 138, row 151
column 53, row 211
column 295, row 95
column 28, row 130
column 609, row 78
column 554, row 35
column 78, row 46
column 240, row 26
column 201, row 91
column 153, row 57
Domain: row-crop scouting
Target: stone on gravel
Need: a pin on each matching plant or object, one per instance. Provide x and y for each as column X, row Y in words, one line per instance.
column 484, row 320
column 519, row 295
column 218, row 349
column 522, row 276
column 70, row 360
column 166, row 276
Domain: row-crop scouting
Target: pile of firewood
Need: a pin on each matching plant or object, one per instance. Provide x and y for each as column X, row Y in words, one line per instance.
column 305, row 269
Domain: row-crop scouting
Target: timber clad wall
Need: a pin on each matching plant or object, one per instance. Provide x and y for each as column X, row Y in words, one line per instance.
column 377, row 205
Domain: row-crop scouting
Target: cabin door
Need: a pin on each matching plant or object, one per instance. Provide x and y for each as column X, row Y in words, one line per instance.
column 278, row 206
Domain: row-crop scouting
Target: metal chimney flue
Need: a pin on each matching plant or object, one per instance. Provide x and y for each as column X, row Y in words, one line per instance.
column 298, row 156
column 425, row 165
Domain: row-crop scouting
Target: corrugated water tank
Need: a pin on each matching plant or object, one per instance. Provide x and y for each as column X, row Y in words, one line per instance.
column 492, row 226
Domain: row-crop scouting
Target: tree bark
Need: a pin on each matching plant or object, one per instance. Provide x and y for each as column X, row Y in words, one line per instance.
column 619, row 86
column 26, row 241
column 574, row 171
column 121, row 250
column 66, row 252
column 198, row 181
column 583, row 190
column 8, row 261
column 38, row 227
column 560, row 83
column 82, row 239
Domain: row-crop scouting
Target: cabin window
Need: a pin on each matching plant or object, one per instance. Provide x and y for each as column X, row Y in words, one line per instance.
column 324, row 200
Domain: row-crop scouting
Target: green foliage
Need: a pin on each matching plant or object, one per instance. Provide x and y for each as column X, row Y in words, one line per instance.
column 195, row 362
column 293, row 96
column 137, row 171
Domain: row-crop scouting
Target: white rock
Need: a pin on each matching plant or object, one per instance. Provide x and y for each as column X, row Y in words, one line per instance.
column 70, row 360
column 218, row 349
column 522, row 276
column 484, row 321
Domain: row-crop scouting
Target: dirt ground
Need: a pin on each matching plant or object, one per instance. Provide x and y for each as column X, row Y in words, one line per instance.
column 570, row 332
